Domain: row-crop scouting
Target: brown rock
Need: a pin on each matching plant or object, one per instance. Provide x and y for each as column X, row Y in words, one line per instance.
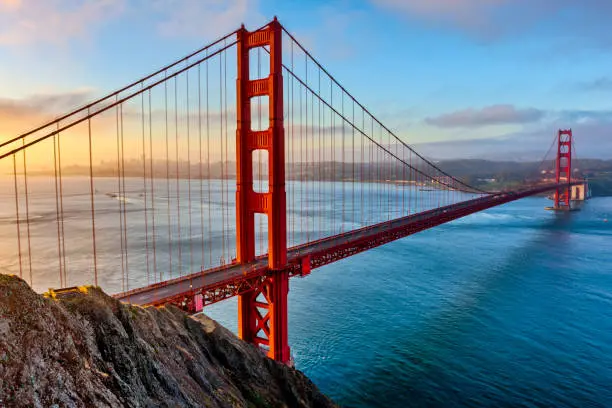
column 87, row 349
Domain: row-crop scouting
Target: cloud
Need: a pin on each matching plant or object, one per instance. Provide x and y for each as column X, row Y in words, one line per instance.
column 24, row 22
column 581, row 117
column 43, row 103
column 9, row 4
column 490, row 115
column 461, row 12
column 480, row 17
column 593, row 141
column 597, row 85
column 206, row 18
column 331, row 34
column 592, row 135
column 19, row 115
column 495, row 18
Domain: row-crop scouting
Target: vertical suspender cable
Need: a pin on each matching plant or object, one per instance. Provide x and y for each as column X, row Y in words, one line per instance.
column 353, row 170
column 403, row 185
column 57, row 213
column 27, row 206
column 320, row 163
column 93, row 209
column 119, row 199
column 312, row 172
column 200, row 174
column 144, row 185
column 189, row 207
column 307, row 136
column 342, row 160
column 18, row 221
column 333, row 156
column 208, row 175
column 61, row 196
column 361, row 164
column 301, row 169
column 389, row 178
column 168, row 212
column 227, row 218
column 152, row 181
column 179, row 242
column 370, row 166
column 292, row 140
column 125, row 236
column 221, row 122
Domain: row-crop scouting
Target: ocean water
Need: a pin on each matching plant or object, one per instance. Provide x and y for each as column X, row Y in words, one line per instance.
column 508, row 307
column 149, row 232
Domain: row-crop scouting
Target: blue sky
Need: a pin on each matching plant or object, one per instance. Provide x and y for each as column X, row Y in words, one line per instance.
column 457, row 78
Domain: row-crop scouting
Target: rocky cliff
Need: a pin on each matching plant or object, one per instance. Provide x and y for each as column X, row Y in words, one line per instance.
column 88, row 350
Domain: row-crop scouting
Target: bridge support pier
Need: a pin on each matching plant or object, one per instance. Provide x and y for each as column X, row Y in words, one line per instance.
column 262, row 312
column 262, row 316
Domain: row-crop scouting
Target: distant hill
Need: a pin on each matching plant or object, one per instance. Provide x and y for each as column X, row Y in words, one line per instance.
column 489, row 168
column 498, row 174
column 486, row 174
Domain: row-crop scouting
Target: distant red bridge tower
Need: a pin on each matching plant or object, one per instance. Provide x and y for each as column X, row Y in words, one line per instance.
column 563, row 170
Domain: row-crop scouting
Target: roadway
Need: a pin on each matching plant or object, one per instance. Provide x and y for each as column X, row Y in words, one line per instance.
column 357, row 240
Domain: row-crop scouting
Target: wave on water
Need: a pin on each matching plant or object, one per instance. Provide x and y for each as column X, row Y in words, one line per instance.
column 123, row 198
column 22, row 220
column 484, row 218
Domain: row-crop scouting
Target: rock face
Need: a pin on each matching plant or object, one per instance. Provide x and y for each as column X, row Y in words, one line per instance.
column 89, row 350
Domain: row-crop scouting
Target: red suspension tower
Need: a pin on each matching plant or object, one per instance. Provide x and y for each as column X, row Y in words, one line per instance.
column 563, row 169
column 262, row 312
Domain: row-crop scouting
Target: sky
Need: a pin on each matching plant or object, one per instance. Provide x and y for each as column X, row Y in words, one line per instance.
column 455, row 78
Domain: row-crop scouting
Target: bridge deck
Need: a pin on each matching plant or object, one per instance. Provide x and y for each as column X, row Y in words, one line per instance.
column 230, row 280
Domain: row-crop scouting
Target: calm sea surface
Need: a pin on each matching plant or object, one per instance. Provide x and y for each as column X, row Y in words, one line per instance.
column 509, row 307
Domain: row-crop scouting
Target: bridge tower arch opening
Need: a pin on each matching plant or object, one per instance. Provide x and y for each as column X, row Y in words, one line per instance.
column 262, row 311
column 563, row 170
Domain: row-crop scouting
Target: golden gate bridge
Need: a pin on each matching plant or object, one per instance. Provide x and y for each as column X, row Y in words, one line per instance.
column 186, row 188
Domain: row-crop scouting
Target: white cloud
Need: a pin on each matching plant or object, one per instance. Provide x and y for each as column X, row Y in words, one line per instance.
column 591, row 129
column 43, row 103
column 24, row 22
column 469, row 14
column 18, row 115
column 206, row 18
column 493, row 18
column 9, row 4
column 489, row 115
column 459, row 8
column 331, row 33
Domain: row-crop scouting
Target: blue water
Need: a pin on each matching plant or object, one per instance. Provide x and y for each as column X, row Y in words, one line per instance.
column 509, row 307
